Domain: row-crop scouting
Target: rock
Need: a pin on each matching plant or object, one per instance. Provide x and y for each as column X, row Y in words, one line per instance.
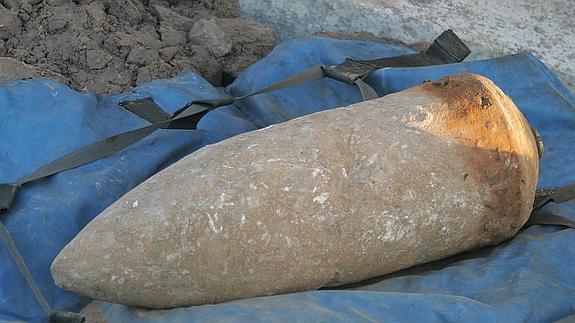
column 11, row 69
column 56, row 3
column 202, row 62
column 245, row 31
column 251, row 42
column 173, row 19
column 144, row 75
column 23, row 16
column 10, row 24
column 223, row 8
column 232, row 68
column 56, row 25
column 168, row 53
column 97, row 59
column 172, row 37
column 208, row 33
column 127, row 11
column 10, row 4
column 142, row 56
column 215, row 8
column 327, row 199
column 148, row 37
column 117, row 78
column 97, row 18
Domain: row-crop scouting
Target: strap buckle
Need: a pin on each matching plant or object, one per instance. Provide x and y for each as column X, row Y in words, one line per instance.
column 448, row 48
column 349, row 71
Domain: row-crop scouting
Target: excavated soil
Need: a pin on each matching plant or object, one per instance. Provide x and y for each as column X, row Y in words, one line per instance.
column 109, row 46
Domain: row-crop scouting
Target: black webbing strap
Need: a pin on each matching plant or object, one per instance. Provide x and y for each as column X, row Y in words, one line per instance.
column 55, row 316
column 447, row 48
column 367, row 92
column 549, row 218
column 541, row 216
column 146, row 109
column 11, row 246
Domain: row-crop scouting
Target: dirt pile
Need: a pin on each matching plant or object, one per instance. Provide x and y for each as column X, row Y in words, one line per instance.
column 109, row 46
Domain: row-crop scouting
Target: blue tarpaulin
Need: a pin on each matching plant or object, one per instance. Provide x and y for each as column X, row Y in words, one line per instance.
column 530, row 278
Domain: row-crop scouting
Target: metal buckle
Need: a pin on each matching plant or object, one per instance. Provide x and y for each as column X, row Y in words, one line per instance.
column 349, row 71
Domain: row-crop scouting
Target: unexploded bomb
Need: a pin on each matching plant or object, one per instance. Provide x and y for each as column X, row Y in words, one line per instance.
column 327, row 199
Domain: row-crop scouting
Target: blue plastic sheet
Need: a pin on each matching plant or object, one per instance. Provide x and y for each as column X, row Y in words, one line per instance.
column 531, row 278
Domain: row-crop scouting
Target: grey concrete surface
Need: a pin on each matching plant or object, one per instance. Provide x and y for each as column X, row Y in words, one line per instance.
column 492, row 28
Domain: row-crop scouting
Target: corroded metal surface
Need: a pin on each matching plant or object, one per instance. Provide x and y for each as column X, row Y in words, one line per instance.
column 327, row 199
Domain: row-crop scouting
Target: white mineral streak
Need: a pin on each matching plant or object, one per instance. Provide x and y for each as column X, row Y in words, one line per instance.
column 321, row 198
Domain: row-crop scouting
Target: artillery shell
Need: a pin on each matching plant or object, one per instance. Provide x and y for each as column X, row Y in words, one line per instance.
column 327, row 199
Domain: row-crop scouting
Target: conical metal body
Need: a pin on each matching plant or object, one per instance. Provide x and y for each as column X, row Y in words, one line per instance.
column 327, row 199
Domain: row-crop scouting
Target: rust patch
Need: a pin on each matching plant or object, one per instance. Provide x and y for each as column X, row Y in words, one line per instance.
column 473, row 116
column 463, row 117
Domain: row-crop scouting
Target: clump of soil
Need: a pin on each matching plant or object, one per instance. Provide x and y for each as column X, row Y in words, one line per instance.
column 109, row 46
